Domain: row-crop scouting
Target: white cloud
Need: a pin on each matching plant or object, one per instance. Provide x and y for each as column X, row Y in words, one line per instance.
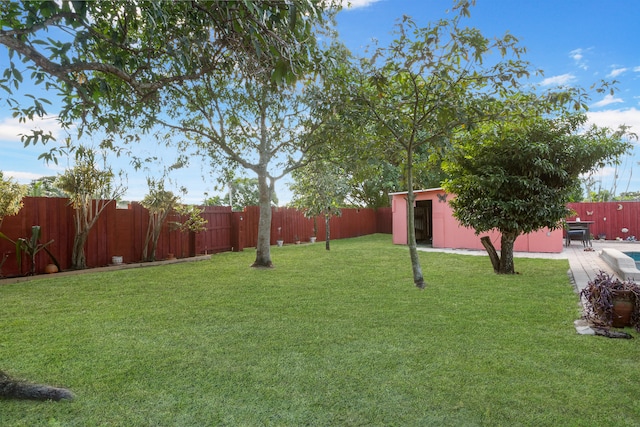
column 636, row 69
column 355, row 4
column 578, row 56
column 11, row 128
column 607, row 100
column 614, row 118
column 560, row 80
column 617, row 71
column 22, row 177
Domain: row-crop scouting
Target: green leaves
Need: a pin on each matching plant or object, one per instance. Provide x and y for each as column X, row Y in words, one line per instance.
column 110, row 59
column 517, row 173
column 11, row 195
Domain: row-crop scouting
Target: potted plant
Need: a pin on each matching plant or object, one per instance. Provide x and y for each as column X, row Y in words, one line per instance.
column 280, row 242
column 297, row 239
column 612, row 302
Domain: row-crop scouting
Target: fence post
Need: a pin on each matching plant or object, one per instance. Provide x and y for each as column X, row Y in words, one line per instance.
column 237, row 231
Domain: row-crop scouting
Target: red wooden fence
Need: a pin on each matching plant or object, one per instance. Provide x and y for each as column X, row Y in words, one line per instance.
column 121, row 232
column 610, row 218
column 290, row 225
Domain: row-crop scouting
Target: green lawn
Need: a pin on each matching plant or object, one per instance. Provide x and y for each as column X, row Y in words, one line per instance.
column 336, row 338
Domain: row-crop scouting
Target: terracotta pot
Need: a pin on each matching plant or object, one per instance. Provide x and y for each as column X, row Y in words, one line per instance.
column 50, row 269
column 623, row 303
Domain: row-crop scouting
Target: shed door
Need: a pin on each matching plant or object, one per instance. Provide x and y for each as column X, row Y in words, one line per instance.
column 423, row 219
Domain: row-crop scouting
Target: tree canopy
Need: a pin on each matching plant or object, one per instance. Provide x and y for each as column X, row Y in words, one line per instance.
column 11, row 195
column 517, row 174
column 110, row 59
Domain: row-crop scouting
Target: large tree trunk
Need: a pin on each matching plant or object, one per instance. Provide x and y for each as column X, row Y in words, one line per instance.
column 263, row 248
column 78, row 258
column 502, row 264
column 491, row 250
column 85, row 217
column 506, row 252
column 418, row 278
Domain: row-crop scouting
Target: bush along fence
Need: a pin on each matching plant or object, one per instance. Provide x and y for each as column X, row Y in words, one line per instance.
column 122, row 232
column 611, row 220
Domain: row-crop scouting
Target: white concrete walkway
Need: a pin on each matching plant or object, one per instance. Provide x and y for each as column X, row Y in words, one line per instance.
column 584, row 264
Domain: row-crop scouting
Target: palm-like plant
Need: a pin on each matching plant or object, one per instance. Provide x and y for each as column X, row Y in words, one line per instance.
column 31, row 247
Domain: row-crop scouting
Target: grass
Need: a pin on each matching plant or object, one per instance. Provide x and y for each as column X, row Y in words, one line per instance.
column 324, row 339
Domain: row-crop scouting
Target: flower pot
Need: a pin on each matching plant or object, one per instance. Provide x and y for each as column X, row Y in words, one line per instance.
column 171, row 256
column 280, row 242
column 50, row 269
column 623, row 303
column 116, row 260
column 312, row 239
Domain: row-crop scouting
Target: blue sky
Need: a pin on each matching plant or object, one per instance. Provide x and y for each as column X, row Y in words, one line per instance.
column 575, row 42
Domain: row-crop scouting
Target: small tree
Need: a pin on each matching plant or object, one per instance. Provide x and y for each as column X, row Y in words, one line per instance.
column 190, row 219
column 30, row 246
column 159, row 202
column 516, row 175
column 90, row 189
column 425, row 85
column 320, row 189
column 11, row 195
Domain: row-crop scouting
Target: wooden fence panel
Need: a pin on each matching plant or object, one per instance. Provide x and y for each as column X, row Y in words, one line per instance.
column 610, row 218
column 289, row 224
column 122, row 232
column 217, row 237
column 52, row 217
column 384, row 220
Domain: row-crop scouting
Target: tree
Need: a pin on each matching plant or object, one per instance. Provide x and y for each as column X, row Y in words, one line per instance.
column 11, row 195
column 159, row 202
column 215, row 201
column 110, row 59
column 426, row 84
column 90, row 189
column 631, row 195
column 190, row 219
column 45, row 187
column 246, row 121
column 319, row 190
column 517, row 174
column 245, row 192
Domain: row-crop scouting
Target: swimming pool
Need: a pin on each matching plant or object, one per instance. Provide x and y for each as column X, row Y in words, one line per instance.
column 635, row 256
